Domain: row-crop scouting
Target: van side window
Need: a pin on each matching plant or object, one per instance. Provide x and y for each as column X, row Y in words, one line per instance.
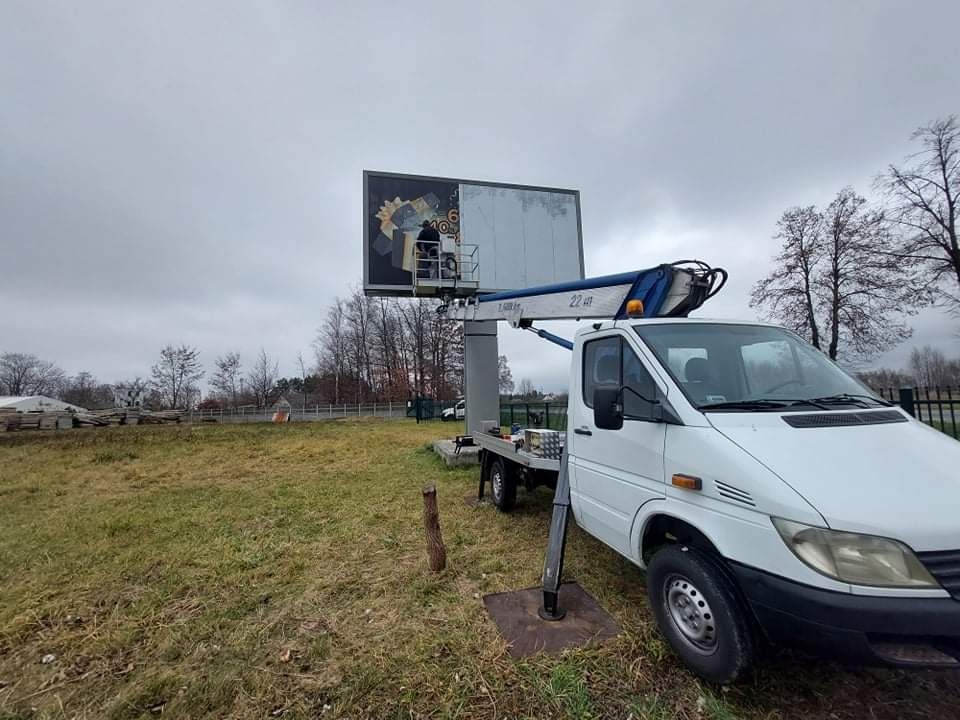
column 611, row 363
column 601, row 366
column 636, row 377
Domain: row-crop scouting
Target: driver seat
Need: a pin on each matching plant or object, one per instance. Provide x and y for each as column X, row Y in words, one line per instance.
column 699, row 379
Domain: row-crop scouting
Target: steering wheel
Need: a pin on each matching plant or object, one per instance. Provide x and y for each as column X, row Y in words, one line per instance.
column 780, row 385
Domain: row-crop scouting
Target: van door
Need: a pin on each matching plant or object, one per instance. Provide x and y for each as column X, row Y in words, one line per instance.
column 614, row 472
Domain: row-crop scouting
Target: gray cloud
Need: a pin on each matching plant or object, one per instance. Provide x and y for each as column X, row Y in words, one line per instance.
column 171, row 172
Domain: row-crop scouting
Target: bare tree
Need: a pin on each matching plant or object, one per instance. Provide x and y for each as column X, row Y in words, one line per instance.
column 526, row 389
column 330, row 347
column 391, row 358
column 884, row 379
column 25, row 374
column 444, row 343
column 175, row 375
column 415, row 318
column 303, row 381
column 930, row 368
column 263, row 377
column 504, row 375
column 866, row 292
column 923, row 200
column 84, row 390
column 227, row 375
column 787, row 293
column 833, row 283
column 131, row 393
column 387, row 349
column 359, row 311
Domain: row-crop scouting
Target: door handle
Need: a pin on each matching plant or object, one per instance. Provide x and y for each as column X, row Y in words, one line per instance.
column 582, row 431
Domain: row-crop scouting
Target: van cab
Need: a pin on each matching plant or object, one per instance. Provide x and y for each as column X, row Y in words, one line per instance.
column 768, row 494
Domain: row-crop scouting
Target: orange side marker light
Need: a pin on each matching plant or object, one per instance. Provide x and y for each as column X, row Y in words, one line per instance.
column 687, row 482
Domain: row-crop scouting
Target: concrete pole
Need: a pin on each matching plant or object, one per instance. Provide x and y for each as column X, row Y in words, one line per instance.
column 480, row 377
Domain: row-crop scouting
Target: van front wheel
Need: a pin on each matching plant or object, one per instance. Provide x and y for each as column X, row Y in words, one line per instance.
column 697, row 609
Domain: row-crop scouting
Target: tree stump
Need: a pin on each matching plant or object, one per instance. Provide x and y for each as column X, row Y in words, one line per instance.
column 436, row 552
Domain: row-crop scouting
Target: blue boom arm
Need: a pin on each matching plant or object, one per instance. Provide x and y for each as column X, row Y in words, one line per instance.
column 670, row 290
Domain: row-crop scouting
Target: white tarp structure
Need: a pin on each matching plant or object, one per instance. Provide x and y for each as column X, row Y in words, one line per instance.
column 36, row 403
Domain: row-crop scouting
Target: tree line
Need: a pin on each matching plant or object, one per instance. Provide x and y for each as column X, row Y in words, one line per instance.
column 928, row 367
column 848, row 275
column 387, row 349
column 366, row 350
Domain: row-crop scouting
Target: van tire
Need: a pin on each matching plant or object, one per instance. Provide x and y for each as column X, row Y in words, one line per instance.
column 503, row 485
column 716, row 644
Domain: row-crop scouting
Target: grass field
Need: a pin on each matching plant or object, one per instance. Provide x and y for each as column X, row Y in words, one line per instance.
column 257, row 571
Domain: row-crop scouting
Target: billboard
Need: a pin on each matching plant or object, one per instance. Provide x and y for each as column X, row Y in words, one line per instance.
column 482, row 236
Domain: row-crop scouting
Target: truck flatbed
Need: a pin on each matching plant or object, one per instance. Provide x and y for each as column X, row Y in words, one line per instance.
column 506, row 449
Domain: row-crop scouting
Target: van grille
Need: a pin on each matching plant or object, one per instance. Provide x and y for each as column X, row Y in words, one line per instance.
column 735, row 494
column 944, row 565
column 814, row 420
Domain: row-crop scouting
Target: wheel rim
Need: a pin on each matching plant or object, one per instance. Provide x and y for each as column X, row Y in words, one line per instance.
column 496, row 483
column 691, row 613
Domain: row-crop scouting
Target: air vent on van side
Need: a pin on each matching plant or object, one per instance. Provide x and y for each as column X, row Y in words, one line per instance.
column 735, row 494
column 815, row 420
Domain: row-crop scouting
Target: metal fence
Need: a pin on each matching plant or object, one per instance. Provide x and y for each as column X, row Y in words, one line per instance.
column 306, row 413
column 937, row 407
column 550, row 415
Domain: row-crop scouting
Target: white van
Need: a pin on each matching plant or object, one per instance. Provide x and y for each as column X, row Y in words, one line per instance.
column 768, row 494
column 457, row 412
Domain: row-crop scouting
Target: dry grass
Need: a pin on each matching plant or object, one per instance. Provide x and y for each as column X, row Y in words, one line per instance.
column 264, row 571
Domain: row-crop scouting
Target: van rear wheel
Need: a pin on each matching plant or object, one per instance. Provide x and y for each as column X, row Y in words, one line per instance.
column 503, row 485
column 698, row 612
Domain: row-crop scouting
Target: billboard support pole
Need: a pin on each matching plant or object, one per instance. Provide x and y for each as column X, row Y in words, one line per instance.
column 481, row 382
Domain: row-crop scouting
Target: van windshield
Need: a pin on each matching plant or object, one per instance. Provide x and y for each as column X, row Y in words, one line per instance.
column 750, row 368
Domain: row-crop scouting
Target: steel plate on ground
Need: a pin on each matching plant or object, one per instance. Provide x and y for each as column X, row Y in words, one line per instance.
column 515, row 615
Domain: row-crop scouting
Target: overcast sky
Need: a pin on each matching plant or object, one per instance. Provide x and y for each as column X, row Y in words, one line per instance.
column 191, row 172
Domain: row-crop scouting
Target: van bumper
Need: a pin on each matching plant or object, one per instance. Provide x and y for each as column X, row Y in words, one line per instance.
column 914, row 632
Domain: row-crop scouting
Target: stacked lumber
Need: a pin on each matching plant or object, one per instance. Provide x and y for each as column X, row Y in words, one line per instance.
column 29, row 421
column 11, row 420
column 126, row 416
column 161, row 416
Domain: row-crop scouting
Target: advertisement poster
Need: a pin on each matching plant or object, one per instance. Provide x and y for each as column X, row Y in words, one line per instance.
column 396, row 209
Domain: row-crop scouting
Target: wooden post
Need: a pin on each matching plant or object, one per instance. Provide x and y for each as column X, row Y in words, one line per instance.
column 436, row 552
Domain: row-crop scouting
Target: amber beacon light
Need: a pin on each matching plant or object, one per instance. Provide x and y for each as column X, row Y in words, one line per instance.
column 634, row 308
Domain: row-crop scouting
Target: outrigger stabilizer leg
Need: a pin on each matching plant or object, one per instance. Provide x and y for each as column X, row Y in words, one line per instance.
column 556, row 544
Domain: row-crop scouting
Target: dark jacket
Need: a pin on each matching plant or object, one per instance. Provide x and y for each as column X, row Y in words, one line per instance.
column 430, row 235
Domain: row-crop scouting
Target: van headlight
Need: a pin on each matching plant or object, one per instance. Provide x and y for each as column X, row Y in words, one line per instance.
column 854, row 558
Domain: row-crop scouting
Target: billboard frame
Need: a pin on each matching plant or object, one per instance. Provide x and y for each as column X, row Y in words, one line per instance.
column 400, row 291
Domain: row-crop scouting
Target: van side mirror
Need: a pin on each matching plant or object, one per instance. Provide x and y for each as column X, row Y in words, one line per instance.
column 608, row 408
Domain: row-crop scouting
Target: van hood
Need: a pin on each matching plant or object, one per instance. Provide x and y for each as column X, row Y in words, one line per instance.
column 899, row 480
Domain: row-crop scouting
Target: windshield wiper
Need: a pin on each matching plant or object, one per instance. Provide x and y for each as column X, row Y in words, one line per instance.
column 759, row 404
column 763, row 404
column 850, row 398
